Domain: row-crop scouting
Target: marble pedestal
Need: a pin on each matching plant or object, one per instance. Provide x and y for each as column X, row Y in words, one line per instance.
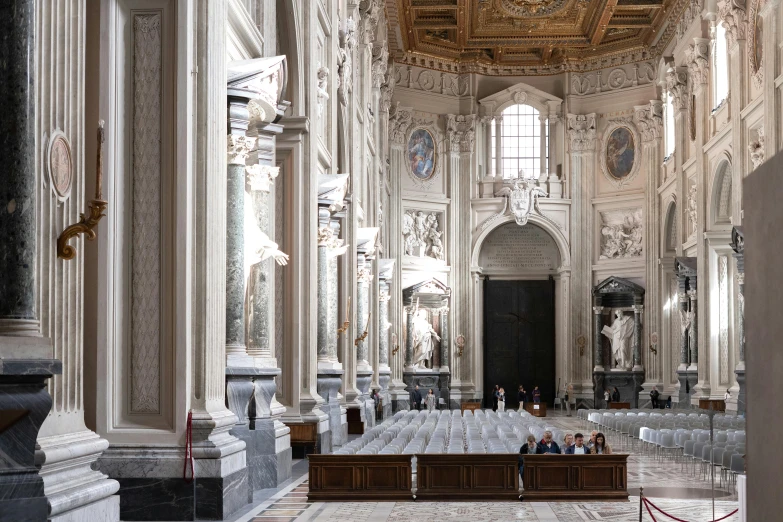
column 400, row 400
column 329, row 382
column 24, row 405
column 363, row 380
column 426, row 378
column 741, row 396
column 628, row 382
column 250, row 393
column 384, row 377
column 687, row 380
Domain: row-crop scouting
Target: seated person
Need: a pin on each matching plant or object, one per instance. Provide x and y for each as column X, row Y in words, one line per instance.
column 578, row 448
column 529, row 448
column 548, row 445
column 568, row 441
column 600, row 447
column 590, row 443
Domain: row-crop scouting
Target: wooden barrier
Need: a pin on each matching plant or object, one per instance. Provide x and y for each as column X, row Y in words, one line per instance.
column 536, row 409
column 355, row 422
column 713, row 404
column 360, row 477
column 619, row 405
column 304, row 435
column 575, row 477
column 472, row 406
column 467, row 477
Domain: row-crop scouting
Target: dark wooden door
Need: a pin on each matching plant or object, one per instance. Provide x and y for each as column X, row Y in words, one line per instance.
column 519, row 338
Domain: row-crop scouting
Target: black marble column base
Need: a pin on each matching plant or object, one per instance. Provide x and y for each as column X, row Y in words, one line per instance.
column 627, row 382
column 22, row 497
column 741, row 396
column 428, row 379
column 688, row 380
column 216, row 498
column 265, row 465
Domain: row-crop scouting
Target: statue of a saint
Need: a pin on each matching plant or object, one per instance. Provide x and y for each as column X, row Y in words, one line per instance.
column 422, row 339
column 620, row 334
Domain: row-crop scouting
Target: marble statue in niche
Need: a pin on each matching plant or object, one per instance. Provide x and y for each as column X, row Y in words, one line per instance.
column 422, row 235
column 421, row 154
column 620, row 153
column 692, row 209
column 620, row 334
column 423, row 344
column 621, row 234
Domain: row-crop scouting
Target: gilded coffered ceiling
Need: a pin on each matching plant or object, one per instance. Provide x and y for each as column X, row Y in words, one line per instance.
column 538, row 36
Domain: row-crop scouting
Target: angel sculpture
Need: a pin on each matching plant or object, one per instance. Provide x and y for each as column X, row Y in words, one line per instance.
column 268, row 248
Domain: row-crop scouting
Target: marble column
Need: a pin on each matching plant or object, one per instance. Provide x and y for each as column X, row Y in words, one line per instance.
column 445, row 339
column 324, row 240
column 637, row 337
column 239, row 147
column 384, row 371
column 684, row 310
column 499, row 146
column 738, row 245
column 598, row 351
column 364, row 372
column 26, row 358
column 17, row 124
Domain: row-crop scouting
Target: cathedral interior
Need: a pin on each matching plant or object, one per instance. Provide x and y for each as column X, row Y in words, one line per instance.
column 243, row 237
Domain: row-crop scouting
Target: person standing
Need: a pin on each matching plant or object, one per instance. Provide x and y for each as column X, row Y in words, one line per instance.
column 654, row 398
column 430, row 401
column 522, row 397
column 536, row 394
column 616, row 395
column 501, row 399
column 417, row 398
column 569, row 392
column 495, row 394
column 607, row 397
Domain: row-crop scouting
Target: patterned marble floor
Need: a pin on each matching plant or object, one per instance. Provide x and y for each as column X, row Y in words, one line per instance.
column 662, row 480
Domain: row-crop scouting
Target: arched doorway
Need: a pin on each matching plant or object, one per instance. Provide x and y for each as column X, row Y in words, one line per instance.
column 519, row 265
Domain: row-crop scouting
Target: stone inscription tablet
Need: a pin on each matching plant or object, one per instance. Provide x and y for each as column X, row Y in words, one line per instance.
column 519, row 248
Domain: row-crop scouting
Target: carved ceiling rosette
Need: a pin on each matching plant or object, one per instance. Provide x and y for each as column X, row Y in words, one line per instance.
column 649, row 120
column 581, row 132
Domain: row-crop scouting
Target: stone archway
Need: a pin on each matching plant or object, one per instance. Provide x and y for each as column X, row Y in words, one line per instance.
column 552, row 260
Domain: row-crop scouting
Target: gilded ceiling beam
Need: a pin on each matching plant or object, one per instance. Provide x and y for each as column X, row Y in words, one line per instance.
column 603, row 22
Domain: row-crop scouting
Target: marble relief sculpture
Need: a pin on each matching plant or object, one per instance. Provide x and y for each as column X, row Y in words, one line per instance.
column 692, row 209
column 524, row 198
column 620, row 334
column 422, row 235
column 621, row 234
column 423, row 344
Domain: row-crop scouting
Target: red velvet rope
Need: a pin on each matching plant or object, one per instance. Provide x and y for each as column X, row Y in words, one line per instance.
column 647, row 504
column 188, row 450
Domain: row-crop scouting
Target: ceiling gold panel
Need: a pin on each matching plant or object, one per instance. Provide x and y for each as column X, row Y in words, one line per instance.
column 550, row 35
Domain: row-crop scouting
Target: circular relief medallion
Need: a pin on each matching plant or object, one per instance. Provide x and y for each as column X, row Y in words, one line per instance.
column 421, row 154
column 532, row 7
column 60, row 165
column 620, row 153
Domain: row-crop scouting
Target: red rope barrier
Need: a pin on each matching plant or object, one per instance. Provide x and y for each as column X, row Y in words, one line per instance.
column 647, row 504
column 188, row 451
column 648, row 510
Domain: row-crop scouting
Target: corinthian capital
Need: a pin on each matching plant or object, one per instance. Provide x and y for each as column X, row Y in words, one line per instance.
column 261, row 177
column 698, row 61
column 732, row 15
column 239, row 148
column 649, row 120
column 581, row 132
column 677, row 85
column 380, row 63
column 461, row 131
column 399, row 123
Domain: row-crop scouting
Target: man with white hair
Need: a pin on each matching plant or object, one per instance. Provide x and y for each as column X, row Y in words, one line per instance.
column 549, row 445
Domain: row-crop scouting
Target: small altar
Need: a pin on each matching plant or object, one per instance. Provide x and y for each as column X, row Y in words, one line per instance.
column 617, row 346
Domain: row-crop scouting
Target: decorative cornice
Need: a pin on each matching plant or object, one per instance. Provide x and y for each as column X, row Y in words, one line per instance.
column 581, row 132
column 261, row 177
column 732, row 13
column 618, row 78
column 649, row 120
column 677, row 85
column 461, row 132
column 697, row 60
column 239, row 148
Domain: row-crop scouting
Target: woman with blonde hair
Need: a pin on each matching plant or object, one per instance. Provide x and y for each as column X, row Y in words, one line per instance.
column 568, row 440
column 600, row 447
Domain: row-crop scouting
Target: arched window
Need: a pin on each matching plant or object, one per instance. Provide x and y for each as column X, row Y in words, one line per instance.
column 720, row 76
column 669, row 125
column 524, row 142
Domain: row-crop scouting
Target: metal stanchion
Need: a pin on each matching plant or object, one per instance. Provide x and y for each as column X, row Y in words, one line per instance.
column 641, row 502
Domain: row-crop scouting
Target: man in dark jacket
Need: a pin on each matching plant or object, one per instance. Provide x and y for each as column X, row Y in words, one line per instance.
column 495, row 397
column 417, row 398
column 578, row 447
column 548, row 445
column 616, row 395
column 654, row 398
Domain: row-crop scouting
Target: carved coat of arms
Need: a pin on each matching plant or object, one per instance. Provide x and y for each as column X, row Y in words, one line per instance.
column 524, row 198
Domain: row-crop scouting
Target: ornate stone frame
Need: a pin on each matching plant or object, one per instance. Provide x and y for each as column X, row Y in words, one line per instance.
column 613, row 125
column 436, row 146
column 756, row 69
column 58, row 135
